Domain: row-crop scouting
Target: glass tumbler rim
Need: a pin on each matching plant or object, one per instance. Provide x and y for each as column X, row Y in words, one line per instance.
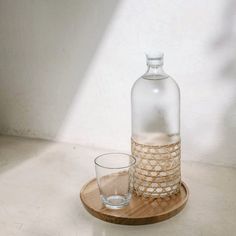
column 115, row 153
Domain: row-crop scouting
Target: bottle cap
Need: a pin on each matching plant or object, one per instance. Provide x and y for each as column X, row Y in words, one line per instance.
column 154, row 55
column 154, row 58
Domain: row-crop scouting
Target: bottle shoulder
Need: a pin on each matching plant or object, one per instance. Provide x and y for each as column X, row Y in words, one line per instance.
column 163, row 83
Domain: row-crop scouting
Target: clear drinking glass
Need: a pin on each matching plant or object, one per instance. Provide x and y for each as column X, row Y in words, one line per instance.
column 114, row 174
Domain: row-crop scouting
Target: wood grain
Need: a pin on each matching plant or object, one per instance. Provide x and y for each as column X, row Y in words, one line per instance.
column 140, row 210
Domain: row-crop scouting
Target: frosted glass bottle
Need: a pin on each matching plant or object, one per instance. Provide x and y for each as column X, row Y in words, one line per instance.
column 155, row 138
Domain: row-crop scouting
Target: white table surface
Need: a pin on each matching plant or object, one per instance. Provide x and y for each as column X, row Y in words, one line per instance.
column 40, row 183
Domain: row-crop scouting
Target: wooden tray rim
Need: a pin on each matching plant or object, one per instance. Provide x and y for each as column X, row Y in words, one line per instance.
column 135, row 220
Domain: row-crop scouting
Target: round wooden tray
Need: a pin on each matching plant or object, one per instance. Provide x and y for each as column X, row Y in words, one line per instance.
column 140, row 210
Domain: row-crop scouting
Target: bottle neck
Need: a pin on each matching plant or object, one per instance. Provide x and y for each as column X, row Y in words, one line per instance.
column 154, row 64
column 154, row 70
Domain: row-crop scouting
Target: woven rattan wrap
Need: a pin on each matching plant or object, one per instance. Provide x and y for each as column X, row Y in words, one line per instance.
column 157, row 171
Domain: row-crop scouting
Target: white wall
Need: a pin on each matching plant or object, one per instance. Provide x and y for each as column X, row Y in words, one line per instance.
column 67, row 67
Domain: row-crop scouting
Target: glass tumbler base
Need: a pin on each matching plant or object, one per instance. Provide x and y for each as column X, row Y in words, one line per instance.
column 116, row 201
